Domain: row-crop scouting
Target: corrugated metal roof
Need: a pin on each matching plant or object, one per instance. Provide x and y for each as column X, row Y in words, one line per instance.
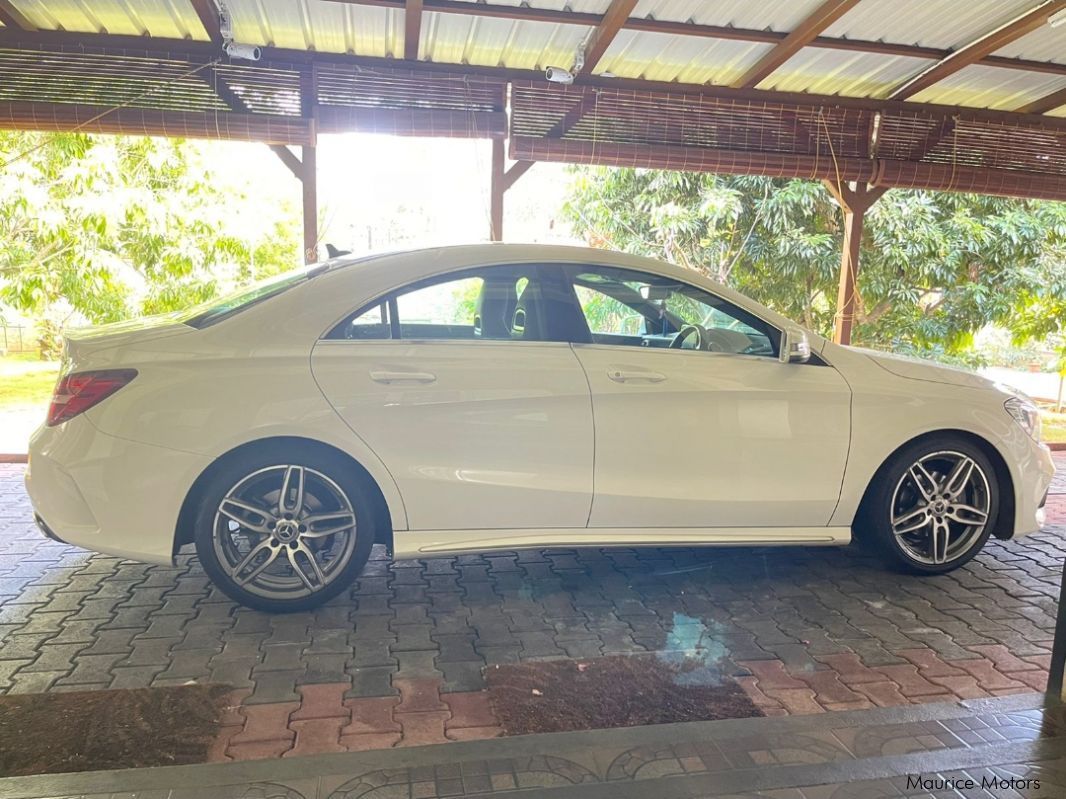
column 469, row 39
column 990, row 87
column 459, row 39
column 929, row 23
column 852, row 74
column 174, row 19
column 326, row 27
column 687, row 59
column 1046, row 44
column 777, row 16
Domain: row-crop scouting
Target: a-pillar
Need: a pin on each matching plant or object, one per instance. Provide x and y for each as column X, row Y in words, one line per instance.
column 855, row 199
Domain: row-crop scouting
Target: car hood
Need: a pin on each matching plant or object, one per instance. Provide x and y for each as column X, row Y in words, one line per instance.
column 917, row 369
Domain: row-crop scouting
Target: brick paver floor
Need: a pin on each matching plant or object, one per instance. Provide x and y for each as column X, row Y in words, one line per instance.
column 400, row 659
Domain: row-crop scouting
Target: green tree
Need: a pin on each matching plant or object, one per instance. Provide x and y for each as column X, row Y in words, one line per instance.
column 108, row 227
column 935, row 268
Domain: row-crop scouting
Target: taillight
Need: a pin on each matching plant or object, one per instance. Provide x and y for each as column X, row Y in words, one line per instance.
column 76, row 393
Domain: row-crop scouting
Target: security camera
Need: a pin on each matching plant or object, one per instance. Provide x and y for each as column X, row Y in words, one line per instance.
column 246, row 52
column 559, row 75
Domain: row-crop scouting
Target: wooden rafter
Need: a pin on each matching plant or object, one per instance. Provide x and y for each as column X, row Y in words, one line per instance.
column 1042, row 105
column 972, row 53
column 804, row 33
column 207, row 11
column 600, row 39
column 12, row 17
column 412, row 28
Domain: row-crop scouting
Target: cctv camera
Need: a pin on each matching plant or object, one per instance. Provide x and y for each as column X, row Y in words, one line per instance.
column 559, row 75
column 247, row 52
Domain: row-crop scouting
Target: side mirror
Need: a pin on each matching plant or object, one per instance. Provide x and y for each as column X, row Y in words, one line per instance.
column 795, row 346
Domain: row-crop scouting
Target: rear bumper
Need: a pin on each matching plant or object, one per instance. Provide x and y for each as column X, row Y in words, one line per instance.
column 107, row 494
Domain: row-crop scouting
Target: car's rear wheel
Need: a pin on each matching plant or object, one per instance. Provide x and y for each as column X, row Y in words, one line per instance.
column 284, row 533
column 931, row 508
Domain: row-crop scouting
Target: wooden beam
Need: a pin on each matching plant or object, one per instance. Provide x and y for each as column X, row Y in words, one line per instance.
column 207, row 11
column 935, row 135
column 1041, row 105
column 412, row 122
column 613, row 20
column 804, row 33
column 229, row 125
column 496, row 190
column 854, row 200
column 556, row 131
column 309, row 182
column 514, row 172
column 1032, row 20
column 290, row 159
column 412, row 29
column 13, row 18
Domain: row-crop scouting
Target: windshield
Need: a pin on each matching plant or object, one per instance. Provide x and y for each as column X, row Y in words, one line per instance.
column 218, row 309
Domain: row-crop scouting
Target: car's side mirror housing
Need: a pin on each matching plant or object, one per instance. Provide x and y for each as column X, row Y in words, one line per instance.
column 795, row 346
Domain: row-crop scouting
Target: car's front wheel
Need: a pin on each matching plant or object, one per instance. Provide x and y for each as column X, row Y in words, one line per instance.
column 932, row 506
column 284, row 533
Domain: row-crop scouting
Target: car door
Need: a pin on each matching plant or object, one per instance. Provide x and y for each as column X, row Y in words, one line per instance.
column 482, row 419
column 722, row 436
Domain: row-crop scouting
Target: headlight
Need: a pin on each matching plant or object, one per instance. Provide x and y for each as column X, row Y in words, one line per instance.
column 1026, row 414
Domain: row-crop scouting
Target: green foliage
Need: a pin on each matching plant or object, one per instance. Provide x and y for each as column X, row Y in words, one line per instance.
column 935, row 267
column 108, row 227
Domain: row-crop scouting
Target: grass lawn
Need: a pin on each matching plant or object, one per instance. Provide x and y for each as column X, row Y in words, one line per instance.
column 1054, row 426
column 25, row 380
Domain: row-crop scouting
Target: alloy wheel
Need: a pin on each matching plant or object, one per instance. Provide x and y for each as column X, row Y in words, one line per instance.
column 284, row 532
column 940, row 507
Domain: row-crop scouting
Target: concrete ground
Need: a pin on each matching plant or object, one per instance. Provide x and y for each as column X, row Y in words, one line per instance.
column 400, row 660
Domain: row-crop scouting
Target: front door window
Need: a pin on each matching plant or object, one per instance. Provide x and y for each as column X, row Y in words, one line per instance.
column 638, row 309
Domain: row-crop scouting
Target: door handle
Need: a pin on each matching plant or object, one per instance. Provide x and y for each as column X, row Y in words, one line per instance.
column 387, row 377
column 635, row 376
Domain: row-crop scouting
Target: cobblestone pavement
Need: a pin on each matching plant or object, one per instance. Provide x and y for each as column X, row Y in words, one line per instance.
column 400, row 660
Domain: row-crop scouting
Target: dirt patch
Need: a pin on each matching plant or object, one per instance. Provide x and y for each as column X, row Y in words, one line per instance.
column 560, row 695
column 95, row 730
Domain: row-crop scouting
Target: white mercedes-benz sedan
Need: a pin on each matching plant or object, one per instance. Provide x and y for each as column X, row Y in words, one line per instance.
column 485, row 397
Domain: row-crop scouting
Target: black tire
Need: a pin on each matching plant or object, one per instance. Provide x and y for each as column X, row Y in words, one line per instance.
column 887, row 496
column 244, row 466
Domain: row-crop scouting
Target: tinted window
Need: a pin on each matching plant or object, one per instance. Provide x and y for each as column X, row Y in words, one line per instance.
column 629, row 308
column 216, row 310
column 494, row 303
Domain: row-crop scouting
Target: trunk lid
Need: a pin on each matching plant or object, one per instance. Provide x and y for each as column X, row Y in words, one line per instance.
column 84, row 341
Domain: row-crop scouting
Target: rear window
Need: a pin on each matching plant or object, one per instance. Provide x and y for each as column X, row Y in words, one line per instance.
column 216, row 310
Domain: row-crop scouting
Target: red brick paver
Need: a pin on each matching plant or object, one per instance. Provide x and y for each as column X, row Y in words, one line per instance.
column 322, row 701
column 371, row 715
column 316, row 736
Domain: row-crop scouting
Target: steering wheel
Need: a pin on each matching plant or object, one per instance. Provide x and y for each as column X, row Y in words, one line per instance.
column 685, row 332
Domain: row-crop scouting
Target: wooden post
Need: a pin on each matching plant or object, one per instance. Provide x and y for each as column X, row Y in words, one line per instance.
column 496, row 190
column 854, row 199
column 309, row 182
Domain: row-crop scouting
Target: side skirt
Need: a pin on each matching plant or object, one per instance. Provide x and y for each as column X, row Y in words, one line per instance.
column 419, row 543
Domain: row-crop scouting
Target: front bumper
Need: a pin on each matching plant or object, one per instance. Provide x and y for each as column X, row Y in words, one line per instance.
column 1031, row 490
column 108, row 494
